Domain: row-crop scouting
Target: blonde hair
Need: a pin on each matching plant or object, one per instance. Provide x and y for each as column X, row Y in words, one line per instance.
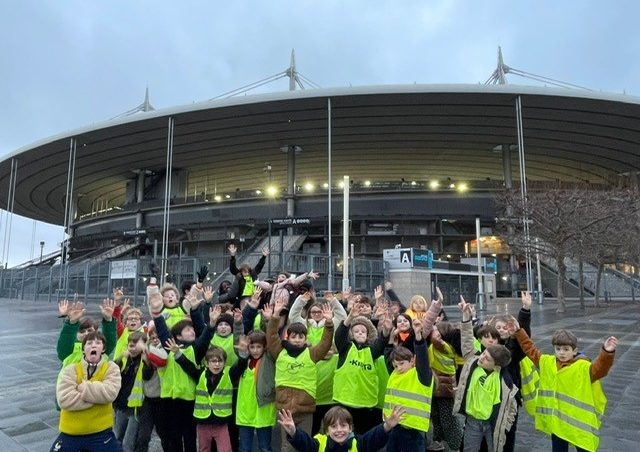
column 417, row 298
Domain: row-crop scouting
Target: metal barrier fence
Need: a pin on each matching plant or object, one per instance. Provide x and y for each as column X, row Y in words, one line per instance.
column 92, row 282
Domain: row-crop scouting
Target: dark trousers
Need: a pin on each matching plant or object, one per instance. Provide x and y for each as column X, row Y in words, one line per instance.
column 562, row 445
column 104, row 441
column 263, row 435
column 364, row 419
column 149, row 415
column 403, row 439
column 178, row 425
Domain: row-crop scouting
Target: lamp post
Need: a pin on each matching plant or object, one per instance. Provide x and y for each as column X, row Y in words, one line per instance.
column 270, row 193
column 41, row 248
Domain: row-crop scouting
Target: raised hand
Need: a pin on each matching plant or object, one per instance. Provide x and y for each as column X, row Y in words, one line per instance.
column 285, row 419
column 242, row 347
column 328, row 295
column 439, row 298
column 172, row 345
column 378, row 293
column 118, row 294
column 107, row 308
column 126, row 304
column 202, row 274
column 327, row 312
column 417, row 328
column 155, row 304
column 346, row 293
column 306, row 296
column 312, row 275
column 394, row 418
column 63, row 308
column 266, row 251
column 281, row 303
column 512, row 325
column 526, row 299
column 76, row 311
column 382, row 309
column 267, row 311
column 387, row 325
column 610, row 344
column 214, row 314
column 237, row 315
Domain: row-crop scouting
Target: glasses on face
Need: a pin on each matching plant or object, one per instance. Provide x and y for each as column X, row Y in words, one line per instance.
column 216, row 361
column 315, row 312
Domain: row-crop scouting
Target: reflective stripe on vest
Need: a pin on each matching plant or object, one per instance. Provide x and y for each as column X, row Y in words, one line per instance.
column 219, row 402
column 442, row 362
column 568, row 405
column 298, row 373
column 322, row 443
column 355, row 383
column 405, row 390
column 529, row 377
column 137, row 393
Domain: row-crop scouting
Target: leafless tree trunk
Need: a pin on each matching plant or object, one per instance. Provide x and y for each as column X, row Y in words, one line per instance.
column 581, row 281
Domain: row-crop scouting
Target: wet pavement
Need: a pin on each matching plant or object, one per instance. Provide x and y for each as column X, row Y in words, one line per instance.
column 29, row 366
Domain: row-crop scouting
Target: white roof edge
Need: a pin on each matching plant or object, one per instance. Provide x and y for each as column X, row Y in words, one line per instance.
column 334, row 92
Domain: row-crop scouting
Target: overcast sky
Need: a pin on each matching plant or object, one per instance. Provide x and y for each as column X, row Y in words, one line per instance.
column 67, row 64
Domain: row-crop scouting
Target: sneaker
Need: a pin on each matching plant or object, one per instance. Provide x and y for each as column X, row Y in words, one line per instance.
column 435, row 445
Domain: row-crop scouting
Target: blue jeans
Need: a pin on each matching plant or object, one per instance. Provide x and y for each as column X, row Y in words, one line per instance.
column 246, row 438
column 125, row 427
column 104, row 441
column 403, row 439
column 474, row 431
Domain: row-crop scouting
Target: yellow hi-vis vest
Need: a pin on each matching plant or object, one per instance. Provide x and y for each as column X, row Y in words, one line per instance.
column 123, row 340
column 137, row 394
column 406, row 391
column 226, row 343
column 383, row 378
column 298, row 373
column 95, row 419
column 219, row 402
column 75, row 356
column 568, row 405
column 322, row 443
column 248, row 412
column 325, row 368
column 174, row 382
column 529, row 377
column 355, row 384
column 173, row 315
column 443, row 362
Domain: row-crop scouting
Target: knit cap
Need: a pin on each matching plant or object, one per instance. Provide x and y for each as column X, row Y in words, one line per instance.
column 225, row 318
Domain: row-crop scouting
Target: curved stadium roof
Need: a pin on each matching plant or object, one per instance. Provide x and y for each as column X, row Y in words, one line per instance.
column 415, row 132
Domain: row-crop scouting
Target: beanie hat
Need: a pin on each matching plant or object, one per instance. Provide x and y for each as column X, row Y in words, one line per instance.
column 225, row 318
column 371, row 330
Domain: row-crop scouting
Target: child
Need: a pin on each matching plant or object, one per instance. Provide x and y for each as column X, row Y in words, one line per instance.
column 296, row 373
column 131, row 394
column 76, row 326
column 570, row 401
column 253, row 414
column 245, row 275
column 177, row 390
column 417, row 307
column 355, row 382
column 338, row 436
column 485, row 393
column 213, row 408
column 85, row 391
column 225, row 325
column 410, row 385
column 132, row 320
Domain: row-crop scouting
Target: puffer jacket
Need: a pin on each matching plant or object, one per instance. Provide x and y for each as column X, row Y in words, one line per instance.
column 504, row 416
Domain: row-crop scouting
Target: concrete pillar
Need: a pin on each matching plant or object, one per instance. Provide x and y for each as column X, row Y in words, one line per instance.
column 291, row 183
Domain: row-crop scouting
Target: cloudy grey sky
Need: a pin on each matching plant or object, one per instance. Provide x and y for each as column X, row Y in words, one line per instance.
column 67, row 64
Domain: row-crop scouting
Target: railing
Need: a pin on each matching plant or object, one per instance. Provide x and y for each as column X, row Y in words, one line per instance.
column 92, row 282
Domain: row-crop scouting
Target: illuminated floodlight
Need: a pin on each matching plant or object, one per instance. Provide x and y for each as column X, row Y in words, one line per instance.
column 434, row 185
column 367, row 183
column 272, row 190
column 341, row 184
column 325, row 185
column 413, row 183
column 462, row 187
column 309, row 186
column 452, row 185
column 217, row 198
column 258, row 192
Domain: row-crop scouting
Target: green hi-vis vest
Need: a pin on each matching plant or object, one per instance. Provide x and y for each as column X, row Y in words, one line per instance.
column 322, row 443
column 75, row 356
column 298, row 373
column 477, row 345
column 226, row 343
column 248, row 412
column 483, row 392
column 137, row 394
column 405, row 390
column 325, row 368
column 355, row 384
column 442, row 361
column 249, row 287
column 174, row 382
column 568, row 405
column 173, row 315
column 123, row 340
column 383, row 378
column 257, row 322
column 529, row 377
column 219, row 402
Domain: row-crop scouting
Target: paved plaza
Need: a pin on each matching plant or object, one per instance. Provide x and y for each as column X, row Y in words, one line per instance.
column 28, row 369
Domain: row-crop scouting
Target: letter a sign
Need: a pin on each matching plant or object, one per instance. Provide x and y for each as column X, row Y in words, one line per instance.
column 405, row 257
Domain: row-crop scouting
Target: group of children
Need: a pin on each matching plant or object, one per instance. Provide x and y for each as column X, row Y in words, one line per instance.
column 343, row 373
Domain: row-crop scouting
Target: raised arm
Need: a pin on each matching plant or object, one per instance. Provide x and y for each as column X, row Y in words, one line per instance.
column 233, row 269
column 527, row 346
column 318, row 352
column 432, row 314
column 466, row 330
column 295, row 313
column 274, row 344
column 600, row 367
